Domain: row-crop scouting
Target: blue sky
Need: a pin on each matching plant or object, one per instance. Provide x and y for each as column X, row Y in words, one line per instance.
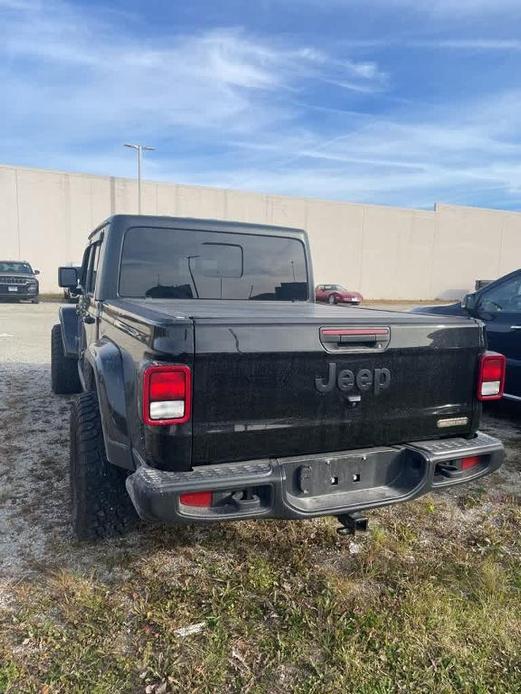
column 403, row 102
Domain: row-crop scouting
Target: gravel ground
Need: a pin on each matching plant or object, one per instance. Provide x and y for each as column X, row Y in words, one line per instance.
column 35, row 531
column 34, row 504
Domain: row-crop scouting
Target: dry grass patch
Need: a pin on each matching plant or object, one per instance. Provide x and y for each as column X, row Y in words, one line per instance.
column 421, row 606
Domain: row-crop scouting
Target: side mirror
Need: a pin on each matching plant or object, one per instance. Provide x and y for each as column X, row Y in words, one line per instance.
column 68, row 277
column 469, row 302
column 36, row 272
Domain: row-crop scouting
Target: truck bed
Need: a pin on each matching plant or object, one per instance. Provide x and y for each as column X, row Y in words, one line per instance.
column 265, row 382
column 164, row 309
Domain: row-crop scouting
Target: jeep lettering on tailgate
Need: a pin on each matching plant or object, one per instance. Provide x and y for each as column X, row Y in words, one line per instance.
column 364, row 380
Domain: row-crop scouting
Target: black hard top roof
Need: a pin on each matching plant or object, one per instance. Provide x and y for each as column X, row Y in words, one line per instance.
column 160, row 221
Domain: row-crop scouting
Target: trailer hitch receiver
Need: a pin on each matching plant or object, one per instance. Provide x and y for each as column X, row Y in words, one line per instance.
column 351, row 523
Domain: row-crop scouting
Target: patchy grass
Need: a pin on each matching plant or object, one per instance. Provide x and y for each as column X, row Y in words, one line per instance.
column 419, row 604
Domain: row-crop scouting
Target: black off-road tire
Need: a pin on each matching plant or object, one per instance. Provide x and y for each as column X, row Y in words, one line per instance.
column 101, row 506
column 64, row 370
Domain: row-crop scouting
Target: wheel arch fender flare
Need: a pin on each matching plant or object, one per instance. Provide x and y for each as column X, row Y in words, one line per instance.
column 105, row 361
column 70, row 325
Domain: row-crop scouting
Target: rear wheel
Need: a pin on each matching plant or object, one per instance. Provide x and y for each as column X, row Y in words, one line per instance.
column 101, row 506
column 64, row 369
column 332, row 299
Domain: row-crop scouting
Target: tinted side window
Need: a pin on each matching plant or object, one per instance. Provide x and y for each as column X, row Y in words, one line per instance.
column 85, row 266
column 182, row 264
column 92, row 269
column 506, row 297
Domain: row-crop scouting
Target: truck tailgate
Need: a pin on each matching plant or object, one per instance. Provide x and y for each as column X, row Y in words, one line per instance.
column 281, row 387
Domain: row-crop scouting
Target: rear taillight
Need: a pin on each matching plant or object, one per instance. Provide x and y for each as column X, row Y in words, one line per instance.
column 470, row 462
column 167, row 394
column 198, row 499
column 491, row 380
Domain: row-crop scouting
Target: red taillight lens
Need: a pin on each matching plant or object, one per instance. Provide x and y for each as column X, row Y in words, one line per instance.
column 199, row 499
column 471, row 461
column 166, row 395
column 491, row 381
column 167, row 385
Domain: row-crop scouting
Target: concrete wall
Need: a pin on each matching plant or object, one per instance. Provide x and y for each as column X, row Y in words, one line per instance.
column 385, row 252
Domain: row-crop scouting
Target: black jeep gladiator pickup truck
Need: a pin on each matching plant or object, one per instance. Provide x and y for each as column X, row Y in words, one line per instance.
column 214, row 388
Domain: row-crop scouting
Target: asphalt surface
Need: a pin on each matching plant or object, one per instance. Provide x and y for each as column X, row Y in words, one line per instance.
column 25, row 332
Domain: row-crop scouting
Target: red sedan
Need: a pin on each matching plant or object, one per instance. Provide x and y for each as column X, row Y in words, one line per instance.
column 336, row 294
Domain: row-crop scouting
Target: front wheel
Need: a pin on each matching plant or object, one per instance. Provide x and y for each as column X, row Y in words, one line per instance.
column 332, row 299
column 101, row 506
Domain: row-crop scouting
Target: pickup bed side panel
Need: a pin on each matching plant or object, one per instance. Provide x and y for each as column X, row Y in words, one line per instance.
column 143, row 340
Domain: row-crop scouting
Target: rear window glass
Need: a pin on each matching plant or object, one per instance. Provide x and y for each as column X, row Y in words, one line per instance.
column 185, row 264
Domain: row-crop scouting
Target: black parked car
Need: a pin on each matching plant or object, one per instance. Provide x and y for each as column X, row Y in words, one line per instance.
column 498, row 304
column 18, row 281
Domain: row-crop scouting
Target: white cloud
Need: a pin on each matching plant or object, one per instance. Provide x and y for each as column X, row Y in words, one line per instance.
column 463, row 44
column 17, row 4
column 444, row 8
column 474, row 44
column 443, row 154
column 77, row 75
column 75, row 87
column 461, row 7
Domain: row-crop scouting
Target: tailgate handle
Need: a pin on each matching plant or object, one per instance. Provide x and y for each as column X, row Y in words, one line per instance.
column 355, row 338
column 369, row 339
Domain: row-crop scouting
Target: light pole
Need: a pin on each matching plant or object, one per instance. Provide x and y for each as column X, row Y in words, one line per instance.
column 139, row 152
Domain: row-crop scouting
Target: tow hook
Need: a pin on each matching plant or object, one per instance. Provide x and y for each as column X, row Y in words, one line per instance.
column 245, row 500
column 351, row 523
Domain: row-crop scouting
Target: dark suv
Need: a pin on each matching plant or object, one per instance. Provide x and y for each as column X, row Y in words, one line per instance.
column 18, row 281
column 498, row 305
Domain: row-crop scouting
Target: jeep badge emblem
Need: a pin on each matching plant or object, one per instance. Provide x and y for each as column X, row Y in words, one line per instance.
column 346, row 380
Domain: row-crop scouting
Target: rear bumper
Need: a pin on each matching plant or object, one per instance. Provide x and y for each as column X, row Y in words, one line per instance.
column 317, row 485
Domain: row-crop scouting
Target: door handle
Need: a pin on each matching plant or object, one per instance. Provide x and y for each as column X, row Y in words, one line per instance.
column 515, row 327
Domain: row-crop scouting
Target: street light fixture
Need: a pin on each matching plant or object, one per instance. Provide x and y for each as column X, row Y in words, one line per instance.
column 139, row 153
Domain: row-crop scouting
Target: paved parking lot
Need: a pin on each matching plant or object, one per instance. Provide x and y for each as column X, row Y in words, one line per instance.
column 24, row 332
